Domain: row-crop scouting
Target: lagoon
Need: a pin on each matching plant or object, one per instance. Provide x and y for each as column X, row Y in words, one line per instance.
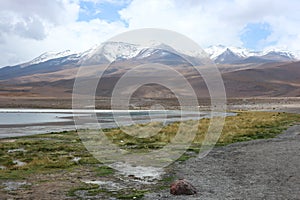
column 23, row 122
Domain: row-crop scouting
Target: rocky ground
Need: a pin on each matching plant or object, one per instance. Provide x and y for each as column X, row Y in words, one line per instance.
column 259, row 169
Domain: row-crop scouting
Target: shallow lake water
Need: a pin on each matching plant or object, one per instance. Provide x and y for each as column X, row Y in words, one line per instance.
column 19, row 118
column 22, row 122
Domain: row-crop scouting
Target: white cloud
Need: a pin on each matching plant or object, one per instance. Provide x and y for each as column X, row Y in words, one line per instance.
column 49, row 11
column 203, row 22
column 220, row 21
column 31, row 28
column 47, row 25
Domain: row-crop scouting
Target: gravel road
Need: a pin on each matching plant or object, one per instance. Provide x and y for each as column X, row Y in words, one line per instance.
column 259, row 169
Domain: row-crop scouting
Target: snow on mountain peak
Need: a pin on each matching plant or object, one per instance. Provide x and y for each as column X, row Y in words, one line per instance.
column 111, row 51
column 48, row 56
column 216, row 51
column 118, row 50
column 296, row 55
column 282, row 52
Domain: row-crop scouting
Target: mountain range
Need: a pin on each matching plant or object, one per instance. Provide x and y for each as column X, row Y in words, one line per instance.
column 246, row 73
column 235, row 55
column 161, row 53
column 111, row 51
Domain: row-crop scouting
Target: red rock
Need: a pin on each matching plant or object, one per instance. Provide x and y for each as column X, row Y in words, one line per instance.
column 182, row 187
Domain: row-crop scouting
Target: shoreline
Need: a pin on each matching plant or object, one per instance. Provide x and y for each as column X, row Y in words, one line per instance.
column 60, row 166
column 67, row 123
column 137, row 103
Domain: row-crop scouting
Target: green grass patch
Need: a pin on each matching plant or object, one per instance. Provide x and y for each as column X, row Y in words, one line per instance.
column 89, row 188
column 94, row 190
column 255, row 125
column 104, row 171
column 51, row 152
column 184, row 157
column 42, row 154
column 242, row 127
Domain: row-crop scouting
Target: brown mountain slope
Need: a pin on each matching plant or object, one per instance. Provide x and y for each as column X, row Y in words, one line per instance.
column 267, row 81
column 270, row 80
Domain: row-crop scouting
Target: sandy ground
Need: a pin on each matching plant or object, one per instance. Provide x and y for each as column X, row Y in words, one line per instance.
column 259, row 169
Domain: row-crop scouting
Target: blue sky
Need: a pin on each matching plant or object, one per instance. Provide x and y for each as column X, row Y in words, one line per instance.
column 103, row 10
column 254, row 35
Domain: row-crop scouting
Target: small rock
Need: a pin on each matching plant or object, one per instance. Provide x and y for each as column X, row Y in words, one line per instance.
column 182, row 187
column 131, row 176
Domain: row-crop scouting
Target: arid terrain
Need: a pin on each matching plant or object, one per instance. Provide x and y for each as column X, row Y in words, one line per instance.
column 54, row 89
column 262, row 169
column 58, row 166
column 133, row 99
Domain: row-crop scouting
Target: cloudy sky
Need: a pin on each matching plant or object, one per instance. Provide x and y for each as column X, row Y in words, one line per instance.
column 29, row 28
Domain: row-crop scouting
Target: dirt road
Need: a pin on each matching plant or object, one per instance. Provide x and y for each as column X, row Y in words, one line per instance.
column 259, row 169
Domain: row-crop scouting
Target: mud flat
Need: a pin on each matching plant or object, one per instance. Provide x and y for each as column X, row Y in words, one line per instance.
column 280, row 104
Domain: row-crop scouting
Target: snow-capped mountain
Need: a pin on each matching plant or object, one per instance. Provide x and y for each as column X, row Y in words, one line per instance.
column 118, row 51
column 236, row 55
column 228, row 56
column 48, row 56
column 114, row 51
column 156, row 53
column 103, row 54
column 245, row 72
